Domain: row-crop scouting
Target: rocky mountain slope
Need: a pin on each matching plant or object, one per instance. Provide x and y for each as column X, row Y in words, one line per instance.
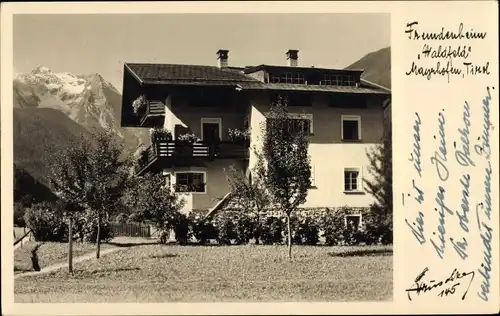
column 377, row 66
column 38, row 133
column 88, row 100
column 51, row 110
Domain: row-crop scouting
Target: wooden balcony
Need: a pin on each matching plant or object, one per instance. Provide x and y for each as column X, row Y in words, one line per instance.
column 164, row 154
column 153, row 114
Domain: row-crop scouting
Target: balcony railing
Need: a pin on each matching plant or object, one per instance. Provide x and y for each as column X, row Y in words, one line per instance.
column 181, row 152
column 153, row 109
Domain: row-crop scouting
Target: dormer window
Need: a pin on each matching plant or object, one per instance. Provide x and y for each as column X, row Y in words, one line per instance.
column 300, row 78
column 288, row 77
column 349, row 81
column 331, row 80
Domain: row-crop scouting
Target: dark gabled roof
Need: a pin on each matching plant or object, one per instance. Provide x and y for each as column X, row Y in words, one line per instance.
column 199, row 75
column 252, row 69
column 172, row 73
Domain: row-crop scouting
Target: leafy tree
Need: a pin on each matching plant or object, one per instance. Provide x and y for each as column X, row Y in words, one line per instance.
column 249, row 195
column 380, row 167
column 287, row 169
column 93, row 175
column 154, row 201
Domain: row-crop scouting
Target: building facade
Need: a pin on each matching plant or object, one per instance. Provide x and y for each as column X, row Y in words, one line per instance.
column 344, row 115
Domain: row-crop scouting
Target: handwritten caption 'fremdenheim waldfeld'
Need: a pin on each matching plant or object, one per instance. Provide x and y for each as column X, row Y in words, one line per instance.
column 462, row 152
column 437, row 59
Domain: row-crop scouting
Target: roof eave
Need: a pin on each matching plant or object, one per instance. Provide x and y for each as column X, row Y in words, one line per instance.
column 194, row 84
column 133, row 74
column 264, row 66
column 373, row 84
column 317, row 91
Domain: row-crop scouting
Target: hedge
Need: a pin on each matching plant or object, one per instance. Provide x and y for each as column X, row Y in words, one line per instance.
column 48, row 223
column 308, row 226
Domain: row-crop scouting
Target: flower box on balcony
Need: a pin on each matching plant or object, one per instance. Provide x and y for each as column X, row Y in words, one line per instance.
column 160, row 134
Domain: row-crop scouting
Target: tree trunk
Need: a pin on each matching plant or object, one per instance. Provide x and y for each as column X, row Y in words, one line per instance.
column 258, row 230
column 98, row 237
column 289, row 228
column 70, row 245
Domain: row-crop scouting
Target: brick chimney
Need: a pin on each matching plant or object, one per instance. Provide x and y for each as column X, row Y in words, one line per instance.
column 222, row 57
column 292, row 55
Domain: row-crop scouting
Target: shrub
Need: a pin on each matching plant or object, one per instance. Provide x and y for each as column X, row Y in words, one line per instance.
column 201, row 229
column 225, row 226
column 134, row 218
column 306, row 230
column 85, row 228
column 233, row 225
column 352, row 235
column 271, row 230
column 46, row 223
column 378, row 225
column 19, row 211
column 333, row 226
column 244, row 228
column 181, row 228
column 121, row 218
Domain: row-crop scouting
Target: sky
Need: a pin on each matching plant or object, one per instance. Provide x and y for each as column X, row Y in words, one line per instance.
column 102, row 43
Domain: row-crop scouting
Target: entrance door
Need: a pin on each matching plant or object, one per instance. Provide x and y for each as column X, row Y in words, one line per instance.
column 211, row 131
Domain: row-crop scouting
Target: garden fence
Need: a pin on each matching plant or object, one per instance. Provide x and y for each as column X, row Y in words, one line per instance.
column 131, row 230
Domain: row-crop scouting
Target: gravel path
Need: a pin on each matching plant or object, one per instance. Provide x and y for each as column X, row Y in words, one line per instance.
column 118, row 241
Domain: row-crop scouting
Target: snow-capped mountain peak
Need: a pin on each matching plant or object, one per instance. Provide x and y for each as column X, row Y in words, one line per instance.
column 40, row 70
column 89, row 100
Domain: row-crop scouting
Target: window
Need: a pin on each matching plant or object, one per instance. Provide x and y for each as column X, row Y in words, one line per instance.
column 300, row 78
column 211, row 129
column 190, row 182
column 352, row 180
column 295, row 126
column 288, row 77
column 296, row 123
column 313, row 177
column 351, row 127
column 331, row 80
column 349, row 81
column 168, row 180
column 353, row 221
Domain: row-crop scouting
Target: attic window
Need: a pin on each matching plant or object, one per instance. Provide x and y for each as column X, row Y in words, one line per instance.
column 288, row 77
column 331, row 80
column 349, row 81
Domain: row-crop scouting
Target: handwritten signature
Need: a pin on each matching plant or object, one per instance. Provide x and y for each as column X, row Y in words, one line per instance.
column 443, row 288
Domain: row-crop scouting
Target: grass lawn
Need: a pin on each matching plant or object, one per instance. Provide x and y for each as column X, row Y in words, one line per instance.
column 49, row 253
column 170, row 273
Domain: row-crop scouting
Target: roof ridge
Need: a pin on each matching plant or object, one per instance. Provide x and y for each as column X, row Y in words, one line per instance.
column 169, row 64
column 204, row 79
